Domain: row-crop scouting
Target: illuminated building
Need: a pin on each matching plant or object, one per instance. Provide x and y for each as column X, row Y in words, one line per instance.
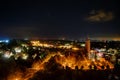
column 18, row 49
column 87, row 46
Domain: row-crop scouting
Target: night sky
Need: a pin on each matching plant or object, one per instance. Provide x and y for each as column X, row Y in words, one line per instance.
column 59, row 19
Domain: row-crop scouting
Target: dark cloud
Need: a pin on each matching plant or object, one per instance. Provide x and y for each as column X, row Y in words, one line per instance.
column 100, row 16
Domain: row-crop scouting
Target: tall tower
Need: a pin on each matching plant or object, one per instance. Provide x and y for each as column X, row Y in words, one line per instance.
column 87, row 46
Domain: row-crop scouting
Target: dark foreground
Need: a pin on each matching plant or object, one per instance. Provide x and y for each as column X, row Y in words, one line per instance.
column 77, row 75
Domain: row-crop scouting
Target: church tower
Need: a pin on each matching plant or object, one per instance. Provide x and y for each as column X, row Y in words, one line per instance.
column 87, row 46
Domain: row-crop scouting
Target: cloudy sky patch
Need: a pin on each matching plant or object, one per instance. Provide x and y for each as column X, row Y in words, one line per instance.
column 100, row 16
